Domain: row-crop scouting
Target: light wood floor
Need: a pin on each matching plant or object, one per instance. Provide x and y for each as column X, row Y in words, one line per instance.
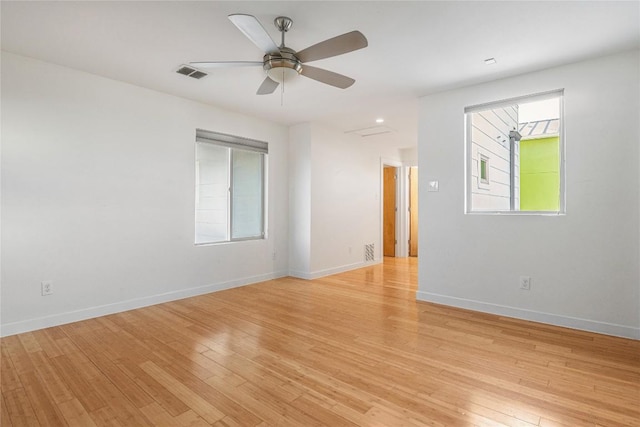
column 350, row 349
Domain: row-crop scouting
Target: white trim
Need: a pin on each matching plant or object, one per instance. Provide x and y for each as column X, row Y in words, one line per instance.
column 118, row 307
column 531, row 315
column 329, row 271
column 516, row 213
column 563, row 157
column 540, row 96
column 468, row 164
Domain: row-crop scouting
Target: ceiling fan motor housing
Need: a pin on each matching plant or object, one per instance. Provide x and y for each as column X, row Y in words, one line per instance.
column 282, row 66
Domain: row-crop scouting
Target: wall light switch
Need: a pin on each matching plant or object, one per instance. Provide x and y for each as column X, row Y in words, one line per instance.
column 433, row 186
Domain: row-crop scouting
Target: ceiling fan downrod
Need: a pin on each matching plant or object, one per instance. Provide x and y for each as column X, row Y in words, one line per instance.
column 283, row 24
column 284, row 64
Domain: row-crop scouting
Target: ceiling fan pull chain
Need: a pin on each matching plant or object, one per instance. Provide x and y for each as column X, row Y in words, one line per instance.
column 282, row 90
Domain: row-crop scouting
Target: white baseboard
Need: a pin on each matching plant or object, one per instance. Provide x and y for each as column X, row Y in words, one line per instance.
column 118, row 307
column 535, row 316
column 329, row 271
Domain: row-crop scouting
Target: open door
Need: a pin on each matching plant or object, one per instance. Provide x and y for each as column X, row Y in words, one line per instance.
column 413, row 211
column 389, row 212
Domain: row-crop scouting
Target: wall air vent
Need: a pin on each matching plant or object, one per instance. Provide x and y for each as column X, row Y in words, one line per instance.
column 373, row 130
column 369, row 252
column 191, row 72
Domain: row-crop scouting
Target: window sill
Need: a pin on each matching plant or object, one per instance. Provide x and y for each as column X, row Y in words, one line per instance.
column 518, row 213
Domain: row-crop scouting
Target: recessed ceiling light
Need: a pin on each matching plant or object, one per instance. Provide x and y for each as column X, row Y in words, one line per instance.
column 490, row 61
column 380, row 120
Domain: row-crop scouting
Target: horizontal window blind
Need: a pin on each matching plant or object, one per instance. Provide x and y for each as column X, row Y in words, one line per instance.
column 231, row 141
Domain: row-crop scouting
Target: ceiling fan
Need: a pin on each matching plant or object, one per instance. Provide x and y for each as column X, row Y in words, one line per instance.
column 282, row 63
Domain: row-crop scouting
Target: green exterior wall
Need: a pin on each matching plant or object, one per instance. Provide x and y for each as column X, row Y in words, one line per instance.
column 540, row 174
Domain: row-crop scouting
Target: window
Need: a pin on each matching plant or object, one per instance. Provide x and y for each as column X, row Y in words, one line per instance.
column 514, row 155
column 230, row 190
column 484, row 169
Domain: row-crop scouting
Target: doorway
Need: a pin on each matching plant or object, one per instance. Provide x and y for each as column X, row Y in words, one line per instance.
column 399, row 209
column 413, row 211
column 389, row 211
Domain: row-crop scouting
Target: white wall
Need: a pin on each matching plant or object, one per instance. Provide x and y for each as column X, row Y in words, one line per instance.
column 98, row 196
column 409, row 156
column 300, row 199
column 345, row 198
column 338, row 179
column 584, row 265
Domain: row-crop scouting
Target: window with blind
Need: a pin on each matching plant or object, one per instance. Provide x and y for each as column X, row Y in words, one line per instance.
column 230, row 188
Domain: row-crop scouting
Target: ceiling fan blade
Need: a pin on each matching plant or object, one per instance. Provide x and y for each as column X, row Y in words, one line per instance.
column 332, row 47
column 225, row 64
column 268, row 86
column 327, row 77
column 255, row 32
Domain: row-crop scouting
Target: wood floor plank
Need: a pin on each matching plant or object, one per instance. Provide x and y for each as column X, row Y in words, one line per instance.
column 129, row 389
column 211, row 394
column 46, row 410
column 56, row 387
column 105, row 417
column 29, row 342
column 75, row 414
column 190, row 398
column 17, row 355
column 354, row 348
column 77, row 383
column 47, row 343
column 9, row 379
column 172, row 404
column 19, row 408
column 160, row 417
column 5, row 418
column 253, row 404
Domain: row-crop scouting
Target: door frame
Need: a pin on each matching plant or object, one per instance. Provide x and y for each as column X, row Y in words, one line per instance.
column 402, row 204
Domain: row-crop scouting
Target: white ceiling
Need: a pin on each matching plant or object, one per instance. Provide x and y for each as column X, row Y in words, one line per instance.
column 415, row 48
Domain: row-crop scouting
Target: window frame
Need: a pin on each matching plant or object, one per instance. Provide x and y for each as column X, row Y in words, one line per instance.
column 468, row 160
column 233, row 143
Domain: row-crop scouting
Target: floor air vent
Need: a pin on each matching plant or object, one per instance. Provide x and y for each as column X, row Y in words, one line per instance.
column 368, row 252
column 191, row 72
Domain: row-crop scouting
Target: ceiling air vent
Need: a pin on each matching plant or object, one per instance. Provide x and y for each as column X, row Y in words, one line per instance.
column 191, row 72
column 373, row 130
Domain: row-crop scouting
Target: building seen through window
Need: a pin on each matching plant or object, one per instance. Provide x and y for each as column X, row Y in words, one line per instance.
column 514, row 155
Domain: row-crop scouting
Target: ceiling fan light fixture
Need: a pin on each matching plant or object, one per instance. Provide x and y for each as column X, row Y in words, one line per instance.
column 282, row 74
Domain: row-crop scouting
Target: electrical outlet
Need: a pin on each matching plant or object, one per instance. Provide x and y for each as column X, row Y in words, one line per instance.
column 47, row 287
column 525, row 283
